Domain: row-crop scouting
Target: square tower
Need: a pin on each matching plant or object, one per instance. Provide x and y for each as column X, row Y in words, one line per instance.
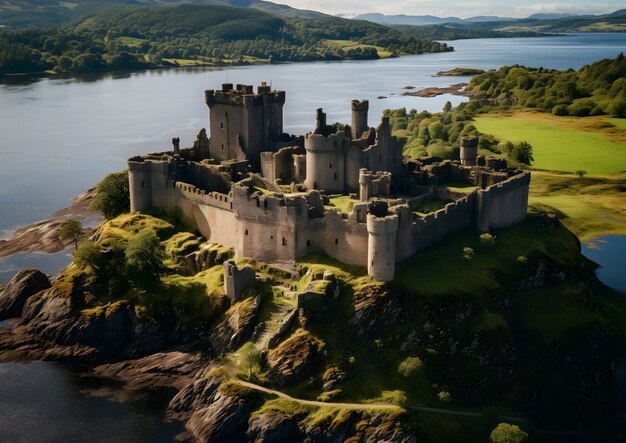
column 244, row 124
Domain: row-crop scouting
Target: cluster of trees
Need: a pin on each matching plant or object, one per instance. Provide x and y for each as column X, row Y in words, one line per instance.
column 596, row 89
column 142, row 37
column 438, row 134
column 137, row 262
column 451, row 31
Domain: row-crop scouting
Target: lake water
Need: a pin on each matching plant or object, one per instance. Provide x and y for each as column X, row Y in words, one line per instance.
column 60, row 136
column 610, row 253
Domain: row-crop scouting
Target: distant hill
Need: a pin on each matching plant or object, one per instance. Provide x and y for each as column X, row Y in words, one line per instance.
column 36, row 13
column 555, row 22
column 403, row 19
column 139, row 37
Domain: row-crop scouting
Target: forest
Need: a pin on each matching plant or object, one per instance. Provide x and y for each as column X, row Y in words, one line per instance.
column 129, row 37
column 595, row 89
column 437, row 135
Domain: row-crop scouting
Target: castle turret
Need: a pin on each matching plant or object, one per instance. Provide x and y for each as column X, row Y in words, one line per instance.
column 359, row 117
column 381, row 246
column 325, row 158
column 469, row 150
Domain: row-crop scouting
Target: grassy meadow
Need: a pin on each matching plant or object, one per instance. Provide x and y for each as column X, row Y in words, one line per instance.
column 594, row 144
column 592, row 205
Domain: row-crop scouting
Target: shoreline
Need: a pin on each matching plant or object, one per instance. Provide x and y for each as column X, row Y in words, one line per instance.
column 42, row 236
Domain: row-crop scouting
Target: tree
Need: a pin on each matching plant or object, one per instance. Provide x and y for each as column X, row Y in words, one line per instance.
column 447, row 107
column 523, row 153
column 507, row 433
column 249, row 357
column 410, row 366
column 144, row 258
column 112, row 195
column 88, row 254
column 71, row 230
column 581, row 173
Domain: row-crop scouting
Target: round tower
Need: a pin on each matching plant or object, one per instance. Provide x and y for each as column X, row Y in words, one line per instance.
column 359, row 117
column 381, row 246
column 469, row 150
column 139, row 184
column 325, row 159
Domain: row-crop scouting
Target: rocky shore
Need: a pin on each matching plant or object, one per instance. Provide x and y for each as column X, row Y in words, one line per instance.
column 43, row 236
column 456, row 89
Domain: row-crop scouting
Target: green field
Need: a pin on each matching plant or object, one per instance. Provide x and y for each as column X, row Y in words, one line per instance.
column 351, row 44
column 594, row 144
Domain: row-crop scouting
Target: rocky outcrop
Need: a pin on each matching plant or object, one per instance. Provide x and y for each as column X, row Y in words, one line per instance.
column 294, row 358
column 24, row 285
column 273, row 427
column 375, row 308
column 215, row 410
column 238, row 327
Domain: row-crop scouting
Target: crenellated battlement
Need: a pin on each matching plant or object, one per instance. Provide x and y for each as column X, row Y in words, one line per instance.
column 203, row 197
column 243, row 95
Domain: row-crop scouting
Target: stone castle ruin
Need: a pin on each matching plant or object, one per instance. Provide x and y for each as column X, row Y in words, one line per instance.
column 268, row 195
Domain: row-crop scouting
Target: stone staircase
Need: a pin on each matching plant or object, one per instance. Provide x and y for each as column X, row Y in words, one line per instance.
column 269, row 328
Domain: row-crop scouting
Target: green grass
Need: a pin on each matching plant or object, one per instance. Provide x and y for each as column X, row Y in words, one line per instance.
column 343, row 203
column 444, row 270
column 431, row 206
column 563, row 143
column 132, row 41
column 588, row 206
column 351, row 44
column 549, row 314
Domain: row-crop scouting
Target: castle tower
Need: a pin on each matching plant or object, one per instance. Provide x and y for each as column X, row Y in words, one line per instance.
column 244, row 124
column 139, row 184
column 469, row 150
column 325, row 158
column 359, row 117
column 381, row 246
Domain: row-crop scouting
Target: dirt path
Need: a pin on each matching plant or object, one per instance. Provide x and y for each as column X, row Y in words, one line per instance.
column 358, row 406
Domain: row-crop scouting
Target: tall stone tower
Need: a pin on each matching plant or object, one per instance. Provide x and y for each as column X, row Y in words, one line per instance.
column 382, row 229
column 359, row 117
column 469, row 150
column 244, row 124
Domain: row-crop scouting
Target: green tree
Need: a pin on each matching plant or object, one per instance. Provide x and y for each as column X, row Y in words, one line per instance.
column 71, row 230
column 437, row 131
column 249, row 357
column 447, row 107
column 112, row 196
column 523, row 153
column 410, row 366
column 89, row 254
column 144, row 258
column 581, row 173
column 507, row 433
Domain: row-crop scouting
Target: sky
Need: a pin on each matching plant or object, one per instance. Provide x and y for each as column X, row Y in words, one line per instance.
column 458, row 8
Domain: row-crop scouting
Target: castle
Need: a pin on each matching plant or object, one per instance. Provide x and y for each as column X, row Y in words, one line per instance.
column 270, row 196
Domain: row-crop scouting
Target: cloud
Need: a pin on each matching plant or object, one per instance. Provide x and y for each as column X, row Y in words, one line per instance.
column 569, row 8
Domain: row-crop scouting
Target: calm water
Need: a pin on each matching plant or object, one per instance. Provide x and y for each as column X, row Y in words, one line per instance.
column 609, row 252
column 49, row 402
column 60, row 136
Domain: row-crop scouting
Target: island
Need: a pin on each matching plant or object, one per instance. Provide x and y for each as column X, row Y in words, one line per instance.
column 354, row 282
